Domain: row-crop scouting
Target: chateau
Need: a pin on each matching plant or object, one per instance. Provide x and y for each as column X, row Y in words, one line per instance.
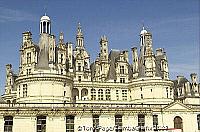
column 58, row 89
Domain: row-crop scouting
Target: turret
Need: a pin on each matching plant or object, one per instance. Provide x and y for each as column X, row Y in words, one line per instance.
column 45, row 25
column 104, row 48
column 79, row 36
column 162, row 57
column 61, row 38
column 194, row 84
column 9, row 79
column 26, row 37
column 135, row 62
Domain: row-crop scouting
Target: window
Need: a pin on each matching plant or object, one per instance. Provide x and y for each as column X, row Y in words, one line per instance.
column 61, row 71
column 170, row 92
column 28, row 57
column 28, row 71
column 118, row 123
column 124, row 94
column 167, row 92
column 178, row 123
column 95, row 123
column 141, row 122
column 61, row 58
column 93, row 94
column 100, row 94
column 79, row 78
column 155, row 122
column 117, row 94
column 19, row 91
column 44, row 27
column 107, row 94
column 79, row 66
column 69, row 123
column 8, row 123
column 41, row 124
column 122, row 80
column 24, row 90
column 122, row 70
column 198, row 121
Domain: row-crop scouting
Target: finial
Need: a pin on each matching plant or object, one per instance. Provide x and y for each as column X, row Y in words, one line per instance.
column 45, row 10
column 79, row 27
column 143, row 28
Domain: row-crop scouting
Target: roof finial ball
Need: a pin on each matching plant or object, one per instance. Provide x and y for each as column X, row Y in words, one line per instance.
column 144, row 31
column 45, row 24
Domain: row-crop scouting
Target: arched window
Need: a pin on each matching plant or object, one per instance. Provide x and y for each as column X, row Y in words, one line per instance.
column 8, row 123
column 44, row 27
column 118, row 123
column 95, row 123
column 70, row 123
column 93, row 94
column 107, row 94
column 141, row 122
column 198, row 121
column 100, row 94
column 41, row 123
column 178, row 122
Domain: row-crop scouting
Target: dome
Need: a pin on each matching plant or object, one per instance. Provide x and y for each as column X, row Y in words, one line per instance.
column 143, row 31
column 45, row 17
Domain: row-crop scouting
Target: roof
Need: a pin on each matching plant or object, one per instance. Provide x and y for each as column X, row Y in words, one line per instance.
column 114, row 54
column 45, row 17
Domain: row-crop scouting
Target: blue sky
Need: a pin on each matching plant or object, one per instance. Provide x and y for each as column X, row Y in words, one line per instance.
column 173, row 23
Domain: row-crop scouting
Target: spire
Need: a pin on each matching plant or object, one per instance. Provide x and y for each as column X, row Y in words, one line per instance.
column 79, row 30
column 79, row 36
column 61, row 37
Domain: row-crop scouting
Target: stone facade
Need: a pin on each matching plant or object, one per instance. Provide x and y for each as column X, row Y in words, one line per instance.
column 58, row 89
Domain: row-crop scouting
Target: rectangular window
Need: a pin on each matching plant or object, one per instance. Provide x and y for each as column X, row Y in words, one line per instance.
column 100, row 94
column 124, row 94
column 19, row 91
column 24, row 90
column 108, row 94
column 141, row 122
column 122, row 80
column 155, row 122
column 167, row 92
column 61, row 71
column 79, row 66
column 41, row 124
column 198, row 121
column 28, row 57
column 118, row 123
column 79, row 78
column 122, row 70
column 70, row 123
column 117, row 94
column 8, row 123
column 95, row 123
column 93, row 94
column 61, row 58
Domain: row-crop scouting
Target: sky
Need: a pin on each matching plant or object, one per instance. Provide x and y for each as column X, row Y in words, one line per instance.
column 174, row 24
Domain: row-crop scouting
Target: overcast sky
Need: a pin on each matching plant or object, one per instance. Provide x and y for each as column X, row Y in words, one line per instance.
column 173, row 23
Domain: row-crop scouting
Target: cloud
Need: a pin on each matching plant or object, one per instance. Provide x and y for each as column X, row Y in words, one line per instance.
column 12, row 15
